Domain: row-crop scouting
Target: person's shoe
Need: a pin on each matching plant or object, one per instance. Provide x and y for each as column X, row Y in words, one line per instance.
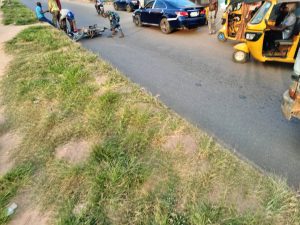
column 121, row 35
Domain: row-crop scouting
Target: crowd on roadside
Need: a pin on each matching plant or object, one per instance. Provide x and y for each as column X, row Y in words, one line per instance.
column 61, row 16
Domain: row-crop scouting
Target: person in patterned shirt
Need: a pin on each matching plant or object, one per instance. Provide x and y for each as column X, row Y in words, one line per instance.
column 114, row 20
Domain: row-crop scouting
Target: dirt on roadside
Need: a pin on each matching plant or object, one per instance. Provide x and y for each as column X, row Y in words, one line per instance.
column 8, row 141
column 26, row 214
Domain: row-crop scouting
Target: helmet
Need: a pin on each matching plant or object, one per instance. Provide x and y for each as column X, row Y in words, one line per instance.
column 70, row 16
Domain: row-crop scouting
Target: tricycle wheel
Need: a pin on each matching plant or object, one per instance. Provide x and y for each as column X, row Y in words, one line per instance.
column 240, row 56
column 221, row 37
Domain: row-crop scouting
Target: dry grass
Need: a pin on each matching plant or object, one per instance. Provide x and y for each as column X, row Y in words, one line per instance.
column 147, row 166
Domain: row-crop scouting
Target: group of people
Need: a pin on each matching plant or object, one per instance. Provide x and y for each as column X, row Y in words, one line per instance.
column 60, row 17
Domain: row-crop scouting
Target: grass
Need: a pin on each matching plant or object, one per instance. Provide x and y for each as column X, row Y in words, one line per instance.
column 16, row 13
column 9, row 185
column 135, row 173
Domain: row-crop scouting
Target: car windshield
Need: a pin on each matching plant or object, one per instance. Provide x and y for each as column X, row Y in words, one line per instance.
column 181, row 3
column 261, row 13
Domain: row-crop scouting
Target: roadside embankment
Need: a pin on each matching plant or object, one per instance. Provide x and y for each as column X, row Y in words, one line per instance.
column 97, row 149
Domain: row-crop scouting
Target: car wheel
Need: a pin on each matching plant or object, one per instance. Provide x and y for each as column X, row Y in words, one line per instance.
column 116, row 6
column 128, row 8
column 240, row 56
column 138, row 21
column 221, row 37
column 165, row 26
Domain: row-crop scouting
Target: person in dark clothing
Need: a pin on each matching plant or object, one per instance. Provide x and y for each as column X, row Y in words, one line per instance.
column 282, row 14
column 114, row 20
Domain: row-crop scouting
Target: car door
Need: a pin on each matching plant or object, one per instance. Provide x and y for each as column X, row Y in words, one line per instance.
column 157, row 11
column 145, row 14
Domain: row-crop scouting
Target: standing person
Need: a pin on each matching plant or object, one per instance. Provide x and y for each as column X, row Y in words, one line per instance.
column 54, row 10
column 40, row 14
column 58, row 4
column 66, row 14
column 212, row 15
column 114, row 20
column 141, row 3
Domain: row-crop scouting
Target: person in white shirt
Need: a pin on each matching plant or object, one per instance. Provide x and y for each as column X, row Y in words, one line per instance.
column 67, row 15
column 284, row 30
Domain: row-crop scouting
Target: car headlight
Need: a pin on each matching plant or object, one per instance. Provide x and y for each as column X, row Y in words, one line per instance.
column 252, row 36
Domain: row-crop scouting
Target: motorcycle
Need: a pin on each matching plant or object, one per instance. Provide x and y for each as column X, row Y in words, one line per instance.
column 99, row 8
column 89, row 32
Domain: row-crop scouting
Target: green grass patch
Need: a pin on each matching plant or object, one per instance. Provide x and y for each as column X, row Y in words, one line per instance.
column 16, row 13
column 139, row 171
column 10, row 183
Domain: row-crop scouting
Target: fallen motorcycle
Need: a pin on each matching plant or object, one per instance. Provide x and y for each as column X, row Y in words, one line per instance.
column 89, row 32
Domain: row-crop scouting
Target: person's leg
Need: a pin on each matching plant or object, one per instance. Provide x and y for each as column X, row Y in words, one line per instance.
column 63, row 25
column 55, row 14
column 73, row 26
column 113, row 26
column 121, row 31
column 209, row 22
column 44, row 19
column 275, row 35
column 213, row 22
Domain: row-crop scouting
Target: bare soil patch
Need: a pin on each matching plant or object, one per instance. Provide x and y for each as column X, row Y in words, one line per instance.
column 183, row 142
column 27, row 213
column 243, row 202
column 76, row 151
column 8, row 142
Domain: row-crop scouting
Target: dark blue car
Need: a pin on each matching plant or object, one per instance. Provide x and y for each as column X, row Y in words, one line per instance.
column 128, row 5
column 170, row 15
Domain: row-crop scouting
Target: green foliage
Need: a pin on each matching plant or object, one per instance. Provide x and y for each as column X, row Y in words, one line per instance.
column 16, row 13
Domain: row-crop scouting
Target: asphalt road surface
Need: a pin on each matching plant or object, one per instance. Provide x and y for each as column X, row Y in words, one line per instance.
column 193, row 73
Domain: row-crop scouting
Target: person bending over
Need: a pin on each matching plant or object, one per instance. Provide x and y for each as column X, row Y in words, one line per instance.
column 114, row 20
column 67, row 15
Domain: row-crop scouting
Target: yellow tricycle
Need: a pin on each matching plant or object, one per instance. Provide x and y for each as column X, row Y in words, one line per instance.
column 235, row 19
column 272, row 34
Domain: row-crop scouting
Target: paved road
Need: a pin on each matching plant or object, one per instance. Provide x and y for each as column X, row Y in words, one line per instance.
column 194, row 75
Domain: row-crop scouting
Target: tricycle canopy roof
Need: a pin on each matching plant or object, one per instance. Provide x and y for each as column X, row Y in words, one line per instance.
column 287, row 1
column 247, row 1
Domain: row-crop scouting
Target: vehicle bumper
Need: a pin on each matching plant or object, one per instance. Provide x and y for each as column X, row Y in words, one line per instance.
column 242, row 47
column 287, row 106
column 189, row 23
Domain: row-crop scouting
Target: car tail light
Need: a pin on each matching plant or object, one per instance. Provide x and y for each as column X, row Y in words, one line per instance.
column 182, row 13
column 203, row 12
